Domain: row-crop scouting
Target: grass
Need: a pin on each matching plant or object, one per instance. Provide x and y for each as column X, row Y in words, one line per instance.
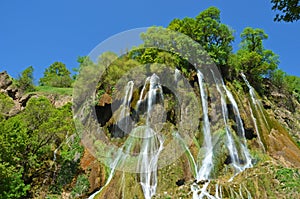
column 54, row 90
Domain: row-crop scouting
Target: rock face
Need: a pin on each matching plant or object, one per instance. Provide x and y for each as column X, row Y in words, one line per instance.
column 274, row 153
column 5, row 80
column 59, row 101
column 20, row 100
column 11, row 91
column 104, row 110
column 285, row 109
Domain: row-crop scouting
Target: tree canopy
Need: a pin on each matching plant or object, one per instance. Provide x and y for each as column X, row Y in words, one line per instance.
column 252, row 58
column 25, row 80
column 27, row 141
column 289, row 10
column 56, row 75
column 209, row 32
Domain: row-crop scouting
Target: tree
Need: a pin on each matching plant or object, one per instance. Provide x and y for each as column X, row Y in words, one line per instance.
column 252, row 58
column 207, row 29
column 12, row 185
column 27, row 141
column 56, row 75
column 278, row 78
column 252, row 39
column 289, row 10
column 286, row 82
column 25, row 81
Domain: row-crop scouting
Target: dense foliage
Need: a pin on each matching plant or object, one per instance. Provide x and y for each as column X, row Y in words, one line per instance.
column 27, row 141
column 286, row 82
column 252, row 58
column 56, row 75
column 25, row 80
column 207, row 29
column 289, row 10
column 6, row 103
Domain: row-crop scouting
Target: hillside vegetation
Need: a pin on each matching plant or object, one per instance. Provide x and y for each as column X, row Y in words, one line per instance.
column 42, row 154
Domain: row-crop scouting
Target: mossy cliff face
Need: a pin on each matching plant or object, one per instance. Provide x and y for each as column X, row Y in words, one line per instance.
column 275, row 172
column 275, row 137
column 275, row 156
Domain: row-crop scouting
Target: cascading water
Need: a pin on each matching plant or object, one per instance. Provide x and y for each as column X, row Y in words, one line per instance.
column 254, row 98
column 202, row 169
column 190, row 156
column 176, row 75
column 203, row 172
column 113, row 165
column 142, row 94
column 240, row 129
column 123, row 123
column 207, row 163
column 233, row 152
column 240, row 159
column 152, row 143
column 256, row 103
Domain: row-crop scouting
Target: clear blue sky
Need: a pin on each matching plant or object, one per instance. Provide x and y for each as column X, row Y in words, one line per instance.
column 38, row 33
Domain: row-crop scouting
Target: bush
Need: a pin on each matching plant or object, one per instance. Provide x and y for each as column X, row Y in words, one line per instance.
column 25, row 81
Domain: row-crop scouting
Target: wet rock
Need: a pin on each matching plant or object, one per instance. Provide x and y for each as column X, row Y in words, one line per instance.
column 201, row 182
column 180, row 182
column 250, row 134
column 228, row 160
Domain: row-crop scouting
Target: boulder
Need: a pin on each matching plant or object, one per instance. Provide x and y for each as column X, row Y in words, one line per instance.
column 5, row 80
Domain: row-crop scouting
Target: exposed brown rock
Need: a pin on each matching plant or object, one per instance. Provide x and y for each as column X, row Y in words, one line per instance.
column 5, row 80
column 13, row 92
column 25, row 98
column 105, row 99
column 283, row 148
column 96, row 173
column 59, row 101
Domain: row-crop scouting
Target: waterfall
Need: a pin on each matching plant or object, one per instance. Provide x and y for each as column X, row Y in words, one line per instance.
column 123, row 123
column 152, row 143
column 207, row 163
column 147, row 143
column 203, row 172
column 123, row 118
column 256, row 103
column 176, row 75
column 143, row 92
column 233, row 151
column 191, row 158
column 114, row 163
column 254, row 98
column 218, row 192
column 240, row 128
